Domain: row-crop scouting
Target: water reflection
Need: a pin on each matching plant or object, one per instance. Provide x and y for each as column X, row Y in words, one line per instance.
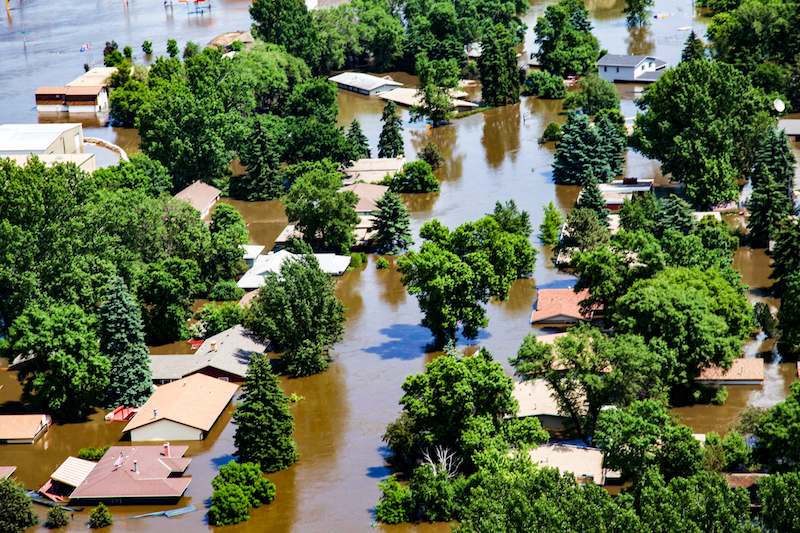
column 640, row 41
column 500, row 137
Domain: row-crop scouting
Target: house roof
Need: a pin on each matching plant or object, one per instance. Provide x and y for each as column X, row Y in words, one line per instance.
column 51, row 90
column 234, row 348
column 16, row 427
column 743, row 369
column 365, row 82
column 372, row 170
column 96, row 76
column 288, row 233
column 109, row 479
column 7, row 471
column 84, row 90
column 251, row 251
column 195, row 401
column 535, row 398
column 31, row 137
column 199, row 195
column 408, row 97
column 51, row 160
column 368, row 195
column 73, row 471
column 622, row 60
column 577, row 460
column 247, row 298
column 271, row 264
column 551, row 303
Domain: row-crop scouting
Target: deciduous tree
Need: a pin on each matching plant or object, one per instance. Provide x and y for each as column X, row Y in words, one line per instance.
column 564, row 36
column 498, row 66
column 16, row 509
column 415, row 177
column 238, row 487
column 288, row 24
column 169, row 288
column 551, row 224
column 595, row 94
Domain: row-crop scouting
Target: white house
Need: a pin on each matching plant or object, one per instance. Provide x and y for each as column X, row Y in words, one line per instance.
column 41, row 139
column 618, row 68
column 367, row 84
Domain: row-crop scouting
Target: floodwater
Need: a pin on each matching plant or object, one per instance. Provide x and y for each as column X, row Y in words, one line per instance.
column 491, row 156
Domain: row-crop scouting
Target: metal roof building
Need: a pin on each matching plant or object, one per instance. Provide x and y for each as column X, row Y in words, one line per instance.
column 41, row 139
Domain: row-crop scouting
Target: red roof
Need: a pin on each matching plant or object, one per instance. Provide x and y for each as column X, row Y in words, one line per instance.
column 148, row 478
column 553, row 303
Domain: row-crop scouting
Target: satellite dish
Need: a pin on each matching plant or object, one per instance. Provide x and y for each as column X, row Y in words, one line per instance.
column 780, row 107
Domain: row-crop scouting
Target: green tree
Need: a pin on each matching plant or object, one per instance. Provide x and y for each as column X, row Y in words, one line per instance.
column 674, row 213
column 545, row 85
column 551, row 224
column 392, row 233
column 595, row 94
column 583, row 231
column 511, row 219
column 172, row 48
column 435, row 105
column 639, row 212
column 415, row 177
column 359, row 140
column 775, row 445
column 225, row 290
column 16, row 509
column 218, row 318
column 768, row 207
column 703, row 122
column 56, row 518
column 324, row 215
column 147, row 48
column 264, row 425
column 775, row 156
column 260, row 155
column 122, row 343
column 299, row 312
column 638, row 12
column 169, row 288
column 390, row 143
column 238, row 487
column 228, row 234
column 498, row 66
column 580, row 149
column 552, row 132
column 592, row 198
column 190, row 49
column 229, row 505
column 779, row 495
column 788, row 317
column 394, row 506
column 785, row 255
column 564, row 36
column 430, row 154
column 100, row 517
column 93, row 454
column 693, row 49
column 288, row 23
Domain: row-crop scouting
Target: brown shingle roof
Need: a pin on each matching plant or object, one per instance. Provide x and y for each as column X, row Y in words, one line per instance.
column 195, row 401
column 368, row 195
column 199, row 195
column 559, row 302
column 152, row 479
column 744, row 369
column 15, row 427
column 51, row 90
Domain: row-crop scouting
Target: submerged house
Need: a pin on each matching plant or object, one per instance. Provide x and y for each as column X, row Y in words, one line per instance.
column 586, row 464
column 41, row 139
column 22, row 429
column 372, row 170
column 366, row 84
column 560, row 307
column 535, row 398
column 271, row 263
column 619, row 68
column 201, row 196
column 87, row 93
column 743, row 371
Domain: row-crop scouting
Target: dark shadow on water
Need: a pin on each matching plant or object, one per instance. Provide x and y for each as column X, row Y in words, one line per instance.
column 411, row 342
column 378, row 472
column 222, row 460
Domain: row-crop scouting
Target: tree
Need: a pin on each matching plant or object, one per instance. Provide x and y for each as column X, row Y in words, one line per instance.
column 592, row 198
column 511, row 219
column 436, row 104
column 225, row 290
column 779, row 494
column 775, row 446
column 580, row 149
column 16, row 509
column 93, row 454
column 228, row 234
column 595, row 94
column 640, row 212
column 56, row 517
column 693, row 49
column 287, row 24
column 263, row 422
column 612, row 141
column 788, row 319
column 299, row 312
column 229, row 505
column 390, row 143
column 768, row 207
column 674, row 213
column 545, row 85
column 430, row 154
column 775, row 156
column 552, row 132
column 324, row 215
column 169, row 288
column 238, row 487
column 122, row 343
column 172, row 47
column 359, row 140
column 703, row 122
column 564, row 36
column 638, row 12
column 147, row 48
column 218, row 318
column 394, row 506
column 260, row 155
column 583, row 231
column 415, row 177
column 392, row 234
column 498, row 66
column 785, row 255
column 551, row 224
column 587, row 370
column 100, row 517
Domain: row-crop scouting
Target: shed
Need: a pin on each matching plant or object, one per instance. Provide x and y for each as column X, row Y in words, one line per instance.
column 368, row 196
column 367, row 84
column 620, row 68
column 585, row 463
column 372, row 170
column 66, row 478
column 182, row 410
column 38, row 139
column 201, row 196
column 22, row 429
column 743, row 371
column 560, row 306
column 408, row 97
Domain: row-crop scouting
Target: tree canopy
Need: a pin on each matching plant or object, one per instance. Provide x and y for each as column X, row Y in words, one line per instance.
column 564, row 36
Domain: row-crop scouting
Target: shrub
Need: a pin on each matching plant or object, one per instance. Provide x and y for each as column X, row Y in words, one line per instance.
column 226, row 290
column 191, row 49
column 100, row 517
column 56, row 517
column 430, row 154
column 358, row 259
column 552, row 132
column 172, row 48
column 229, row 505
column 381, row 263
column 394, row 506
column 237, row 488
column 236, row 46
column 147, row 47
column 545, row 85
column 415, row 177
column 128, row 52
column 218, row 318
column 92, row 454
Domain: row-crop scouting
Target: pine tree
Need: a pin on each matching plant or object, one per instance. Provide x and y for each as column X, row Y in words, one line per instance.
column 100, row 517
column 581, row 148
column 430, row 154
column 694, row 48
column 776, row 156
column 122, row 342
column 785, row 255
column 359, row 140
column 260, row 155
column 16, row 510
column 263, row 422
column 56, row 518
column 675, row 213
column 498, row 67
column 390, row 143
column 393, row 235
column 592, row 198
column 768, row 207
column 613, row 145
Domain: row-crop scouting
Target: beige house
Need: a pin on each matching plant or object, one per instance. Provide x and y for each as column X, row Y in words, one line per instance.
column 85, row 161
column 201, row 196
column 185, row 409
column 586, row 464
column 40, row 139
column 535, row 398
column 372, row 170
column 22, row 429
column 744, row 371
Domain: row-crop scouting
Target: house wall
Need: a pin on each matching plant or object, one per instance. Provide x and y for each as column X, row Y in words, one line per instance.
column 219, row 374
column 551, row 421
column 613, row 74
column 166, row 430
column 717, row 383
column 52, row 108
column 66, row 142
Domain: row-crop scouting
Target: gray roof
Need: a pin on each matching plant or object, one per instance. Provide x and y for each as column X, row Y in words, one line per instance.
column 620, row 60
column 234, row 348
column 790, row 125
column 365, row 82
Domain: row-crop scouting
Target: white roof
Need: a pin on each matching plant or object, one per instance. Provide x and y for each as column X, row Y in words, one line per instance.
column 31, row 137
column 408, row 97
column 535, row 398
column 366, row 82
column 251, row 251
column 580, row 461
column 73, row 471
column 271, row 263
column 790, row 125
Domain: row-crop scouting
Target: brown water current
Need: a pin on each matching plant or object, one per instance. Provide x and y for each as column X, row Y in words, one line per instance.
column 491, row 156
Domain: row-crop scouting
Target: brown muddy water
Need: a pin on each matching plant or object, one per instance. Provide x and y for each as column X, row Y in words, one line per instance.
column 490, row 156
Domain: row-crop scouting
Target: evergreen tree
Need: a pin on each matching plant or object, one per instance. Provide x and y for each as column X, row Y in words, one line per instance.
column 768, row 207
column 359, row 140
column 263, row 422
column 551, row 224
column 390, row 143
column 56, row 517
column 592, row 198
column 674, row 213
column 392, row 225
column 260, row 154
column 581, row 148
column 776, row 156
column 613, row 144
column 122, row 342
column 785, row 255
column 498, row 67
column 16, row 510
column 789, row 315
column 430, row 154
column 100, row 517
column 694, row 48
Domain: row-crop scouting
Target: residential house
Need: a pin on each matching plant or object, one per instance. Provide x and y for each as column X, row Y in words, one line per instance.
column 617, row 191
column 535, row 398
column 23, row 429
column 186, row 409
column 744, row 371
column 372, row 170
column 560, row 307
column 366, row 208
column 586, row 464
column 86, row 94
column 251, row 252
column 41, row 139
column 618, row 68
column 271, row 263
column 791, row 127
column 201, row 196
column 366, row 84
column 749, row 481
column 408, row 97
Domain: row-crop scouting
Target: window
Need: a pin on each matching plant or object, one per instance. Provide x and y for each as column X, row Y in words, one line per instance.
column 223, row 378
column 605, row 69
column 617, row 69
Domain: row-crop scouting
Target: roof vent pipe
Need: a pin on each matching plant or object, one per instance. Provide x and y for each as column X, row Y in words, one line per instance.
column 135, row 467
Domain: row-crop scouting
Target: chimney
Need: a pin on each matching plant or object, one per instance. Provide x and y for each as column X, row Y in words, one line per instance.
column 135, row 467
column 166, row 449
column 155, row 413
column 213, row 346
